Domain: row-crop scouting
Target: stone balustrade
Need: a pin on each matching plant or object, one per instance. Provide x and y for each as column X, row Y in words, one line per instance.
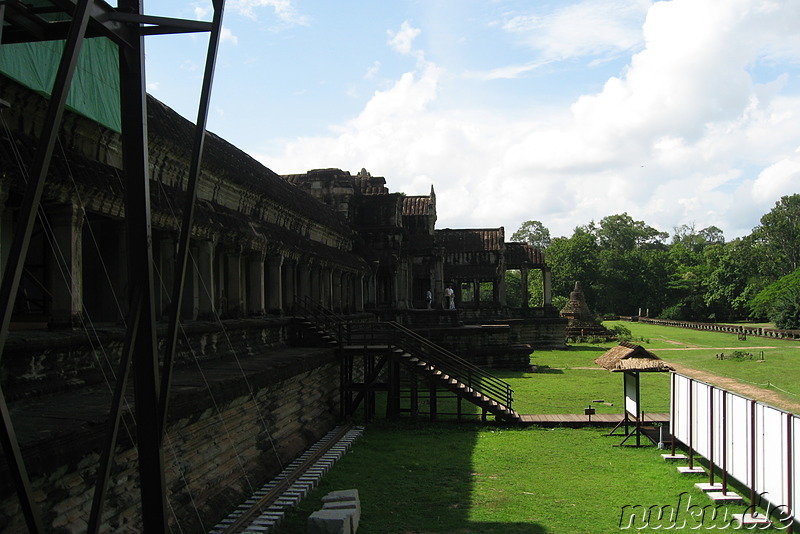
column 757, row 331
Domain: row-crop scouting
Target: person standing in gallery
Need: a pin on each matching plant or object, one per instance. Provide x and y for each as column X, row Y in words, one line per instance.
column 449, row 297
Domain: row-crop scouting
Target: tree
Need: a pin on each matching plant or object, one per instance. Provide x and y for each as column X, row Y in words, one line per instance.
column 533, row 233
column 734, row 278
column 573, row 260
column 780, row 231
column 712, row 235
column 777, row 295
column 786, row 311
column 621, row 232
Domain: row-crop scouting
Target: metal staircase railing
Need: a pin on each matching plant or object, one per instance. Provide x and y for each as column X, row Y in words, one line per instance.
column 321, row 316
column 393, row 334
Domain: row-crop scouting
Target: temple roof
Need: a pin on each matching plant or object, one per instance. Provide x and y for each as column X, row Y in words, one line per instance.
column 523, row 254
column 370, row 185
column 418, row 205
column 225, row 160
column 472, row 240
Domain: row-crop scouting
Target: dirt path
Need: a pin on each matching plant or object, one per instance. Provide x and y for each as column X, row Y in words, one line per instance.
column 764, row 395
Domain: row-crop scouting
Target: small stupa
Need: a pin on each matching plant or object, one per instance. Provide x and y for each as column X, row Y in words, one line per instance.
column 582, row 322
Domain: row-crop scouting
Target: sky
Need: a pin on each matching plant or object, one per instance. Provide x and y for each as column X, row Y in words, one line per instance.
column 679, row 112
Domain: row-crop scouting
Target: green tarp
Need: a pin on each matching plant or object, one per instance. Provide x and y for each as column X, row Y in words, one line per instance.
column 95, row 87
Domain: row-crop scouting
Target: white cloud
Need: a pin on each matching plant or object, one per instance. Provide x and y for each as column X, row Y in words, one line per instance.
column 508, row 72
column 373, row 70
column 285, row 10
column 779, row 179
column 590, row 27
column 402, row 41
column 227, row 36
column 684, row 135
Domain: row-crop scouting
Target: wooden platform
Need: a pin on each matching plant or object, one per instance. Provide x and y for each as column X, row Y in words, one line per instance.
column 583, row 420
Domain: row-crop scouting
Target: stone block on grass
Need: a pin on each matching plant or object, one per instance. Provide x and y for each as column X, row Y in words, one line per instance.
column 353, row 506
column 341, row 495
column 328, row 521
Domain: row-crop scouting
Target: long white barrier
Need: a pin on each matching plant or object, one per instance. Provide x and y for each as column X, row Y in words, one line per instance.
column 756, row 444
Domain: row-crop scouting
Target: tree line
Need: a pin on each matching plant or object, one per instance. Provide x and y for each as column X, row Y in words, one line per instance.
column 625, row 266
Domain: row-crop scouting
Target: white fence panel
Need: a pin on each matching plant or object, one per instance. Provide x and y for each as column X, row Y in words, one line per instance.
column 756, row 444
column 772, row 464
column 795, row 479
column 738, row 437
column 679, row 419
column 702, row 418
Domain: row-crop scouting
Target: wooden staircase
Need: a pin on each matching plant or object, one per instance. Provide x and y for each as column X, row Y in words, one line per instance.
column 502, row 411
column 383, row 346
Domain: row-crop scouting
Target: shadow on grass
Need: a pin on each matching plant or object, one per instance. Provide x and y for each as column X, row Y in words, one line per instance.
column 411, row 478
column 546, row 369
column 587, row 348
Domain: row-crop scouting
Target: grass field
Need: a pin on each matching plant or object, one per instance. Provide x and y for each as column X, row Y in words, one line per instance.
column 419, row 477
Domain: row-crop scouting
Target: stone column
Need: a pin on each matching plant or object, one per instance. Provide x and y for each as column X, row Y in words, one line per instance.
column 289, row 284
column 314, row 283
column 336, row 290
column 327, row 287
column 166, row 272
column 275, row 284
column 233, row 283
column 372, row 283
column 526, row 292
column 191, row 287
column 303, row 280
column 476, row 293
column 547, row 282
column 206, row 297
column 66, row 274
column 117, row 266
column 255, row 287
column 359, row 293
column 397, row 293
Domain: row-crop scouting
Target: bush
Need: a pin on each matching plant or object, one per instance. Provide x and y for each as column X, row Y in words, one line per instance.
column 786, row 311
column 676, row 312
column 559, row 301
column 621, row 332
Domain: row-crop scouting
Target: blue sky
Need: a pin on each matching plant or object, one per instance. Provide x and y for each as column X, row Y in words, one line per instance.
column 676, row 112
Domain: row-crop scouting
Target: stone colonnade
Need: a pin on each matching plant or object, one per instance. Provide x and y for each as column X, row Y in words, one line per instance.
column 499, row 293
column 76, row 271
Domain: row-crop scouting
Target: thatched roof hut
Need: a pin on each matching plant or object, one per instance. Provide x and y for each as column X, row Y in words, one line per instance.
column 630, row 357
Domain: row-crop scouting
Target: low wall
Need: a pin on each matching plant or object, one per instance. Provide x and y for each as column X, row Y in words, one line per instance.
column 485, row 345
column 40, row 362
column 774, row 333
column 231, row 428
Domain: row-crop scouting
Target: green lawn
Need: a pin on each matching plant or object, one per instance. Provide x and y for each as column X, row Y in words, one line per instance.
column 470, row 479
column 779, row 371
column 447, row 477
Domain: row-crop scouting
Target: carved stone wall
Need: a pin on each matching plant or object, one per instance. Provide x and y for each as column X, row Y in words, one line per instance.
column 222, row 443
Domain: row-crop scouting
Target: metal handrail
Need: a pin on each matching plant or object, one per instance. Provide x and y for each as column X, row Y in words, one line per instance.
column 319, row 314
column 458, row 366
column 394, row 334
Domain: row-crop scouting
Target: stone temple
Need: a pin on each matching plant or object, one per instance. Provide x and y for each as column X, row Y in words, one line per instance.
column 253, row 383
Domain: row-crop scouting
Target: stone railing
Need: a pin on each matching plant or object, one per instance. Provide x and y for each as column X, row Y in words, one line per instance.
column 740, row 330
